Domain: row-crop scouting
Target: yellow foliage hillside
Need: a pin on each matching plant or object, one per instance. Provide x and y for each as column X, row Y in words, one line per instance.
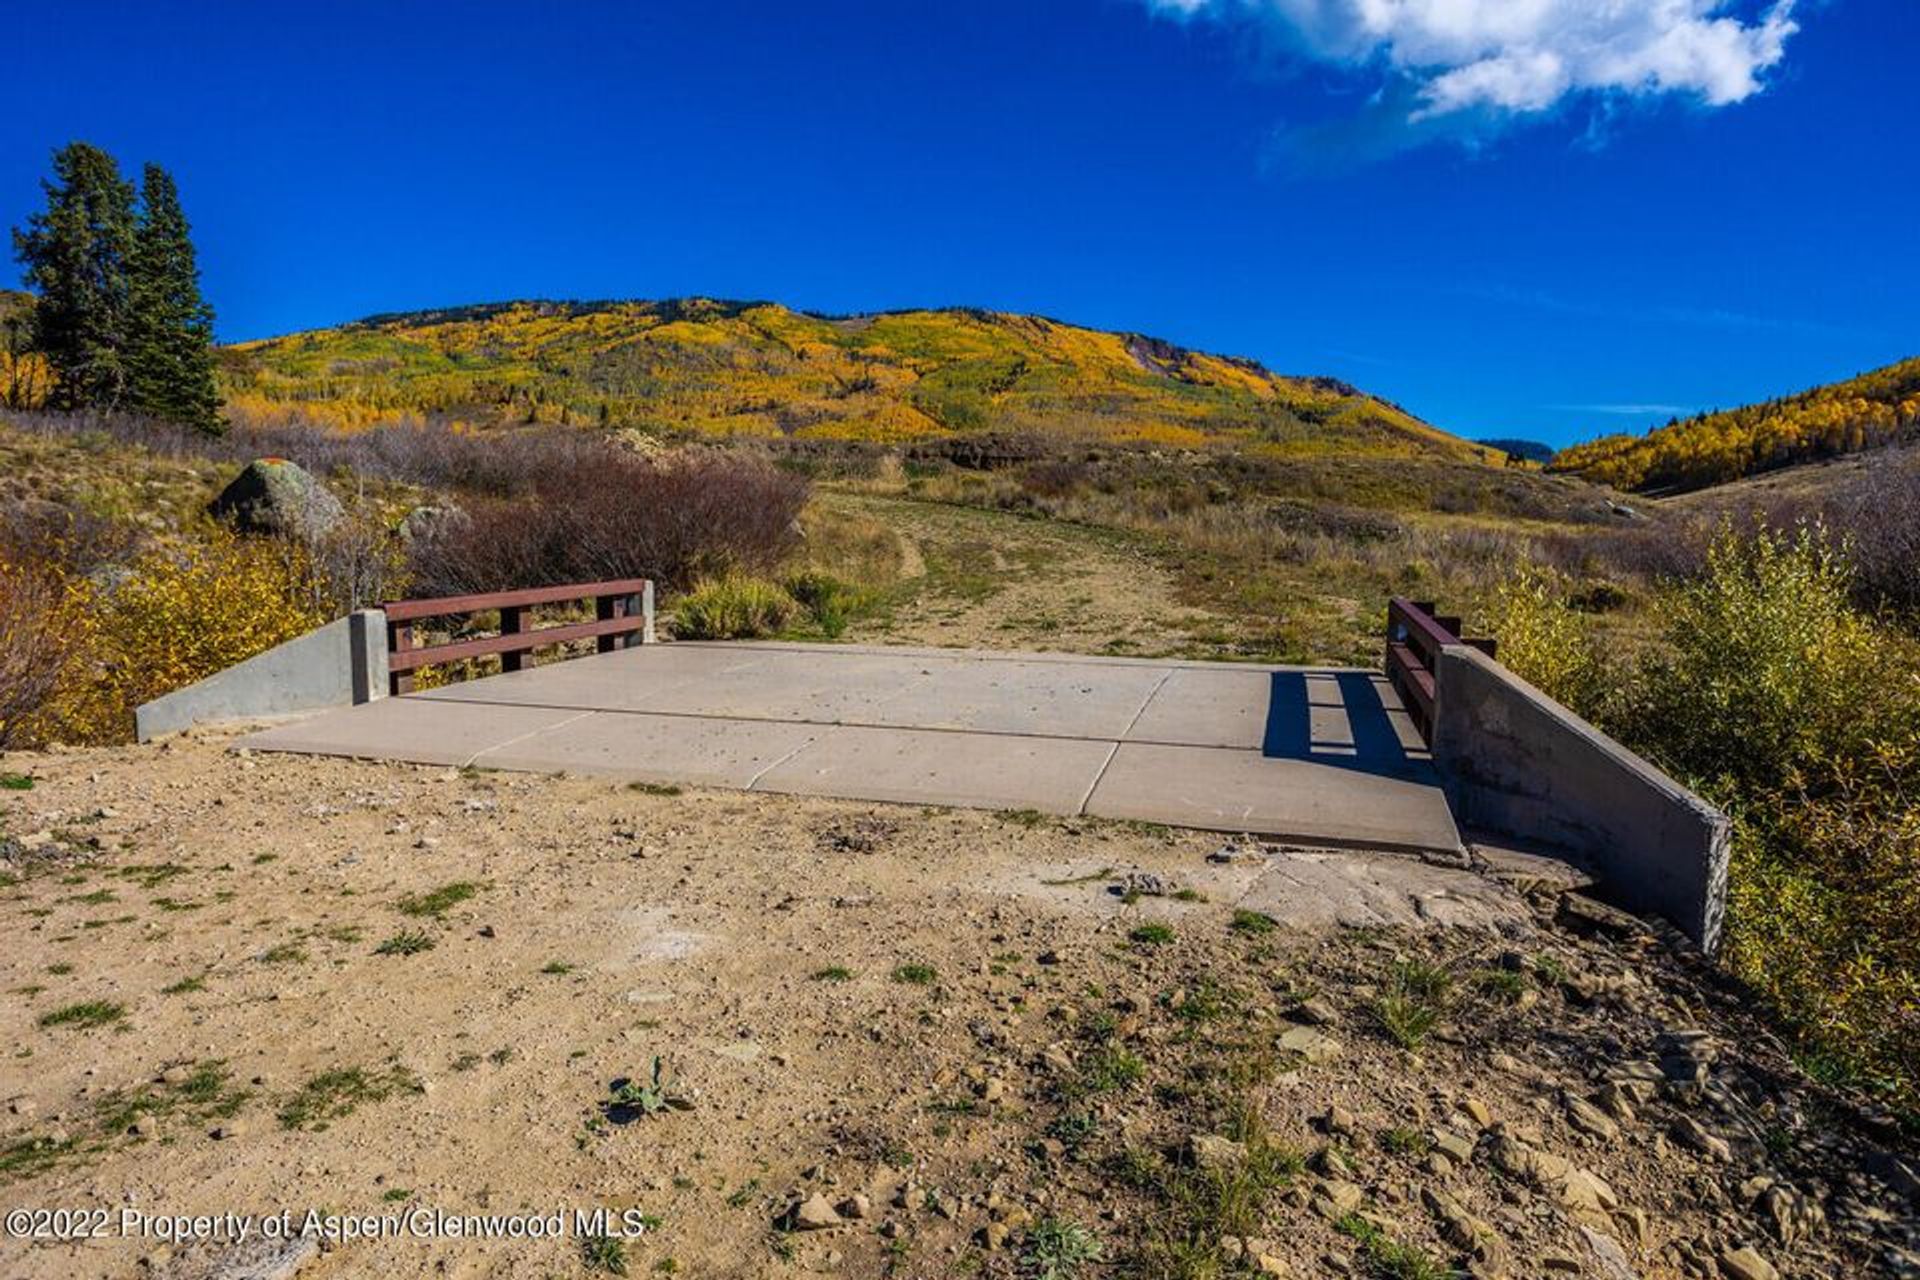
column 697, row 366
column 1843, row 417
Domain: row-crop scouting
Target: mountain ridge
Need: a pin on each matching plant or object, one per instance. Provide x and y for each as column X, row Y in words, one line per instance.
column 1866, row 411
column 702, row 366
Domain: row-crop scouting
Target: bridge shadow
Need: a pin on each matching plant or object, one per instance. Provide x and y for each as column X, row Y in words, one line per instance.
column 1338, row 719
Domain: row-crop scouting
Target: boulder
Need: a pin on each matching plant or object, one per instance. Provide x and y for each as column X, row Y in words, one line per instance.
column 272, row 495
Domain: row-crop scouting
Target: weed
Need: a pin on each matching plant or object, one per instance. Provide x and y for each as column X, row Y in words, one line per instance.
column 1187, row 895
column 1414, row 1002
column 1104, row 873
column 1388, row 1258
column 1058, row 1248
column 1403, row 1141
column 916, row 975
column 1253, row 924
column 334, row 1094
column 285, row 953
column 1028, row 818
column 394, row 1195
column 558, row 968
column 16, row 782
column 1502, row 984
column 86, row 1015
column 437, row 902
column 1107, row 1069
column 832, row 973
column 628, row 1099
column 604, row 1253
column 60, row 970
column 654, row 788
column 410, row 942
column 185, row 985
column 1151, row 935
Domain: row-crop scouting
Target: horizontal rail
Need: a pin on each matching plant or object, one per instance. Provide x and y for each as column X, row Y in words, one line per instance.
column 411, row 659
column 1415, row 637
column 443, row 606
column 623, row 611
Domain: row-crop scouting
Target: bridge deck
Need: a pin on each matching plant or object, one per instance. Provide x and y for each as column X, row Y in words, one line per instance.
column 1317, row 755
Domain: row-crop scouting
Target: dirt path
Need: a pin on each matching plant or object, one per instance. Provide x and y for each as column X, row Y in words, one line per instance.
column 995, row 580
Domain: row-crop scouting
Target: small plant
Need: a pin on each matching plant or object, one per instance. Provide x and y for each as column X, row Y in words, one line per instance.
column 410, row 942
column 604, row 1253
column 1058, row 1248
column 1414, row 1002
column 60, row 970
column 1151, row 935
column 1252, row 924
column 916, row 975
column 86, row 1015
column 185, row 985
column 16, row 782
column 832, row 973
column 1403, row 1141
column 1028, row 818
column 285, row 953
column 557, row 968
column 1502, row 984
column 630, row 1100
column 1388, row 1258
column 333, row 1094
column 1108, row 1068
column 654, row 788
column 437, row 902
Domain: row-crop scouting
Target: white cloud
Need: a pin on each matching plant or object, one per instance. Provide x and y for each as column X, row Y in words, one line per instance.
column 1527, row 55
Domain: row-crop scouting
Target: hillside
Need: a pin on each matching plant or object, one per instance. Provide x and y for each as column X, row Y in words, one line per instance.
column 1872, row 409
column 695, row 366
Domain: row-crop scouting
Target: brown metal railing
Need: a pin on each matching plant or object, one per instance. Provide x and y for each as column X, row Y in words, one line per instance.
column 618, row 614
column 1415, row 637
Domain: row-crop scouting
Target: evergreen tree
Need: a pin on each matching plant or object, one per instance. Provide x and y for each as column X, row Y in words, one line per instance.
column 170, row 347
column 75, row 257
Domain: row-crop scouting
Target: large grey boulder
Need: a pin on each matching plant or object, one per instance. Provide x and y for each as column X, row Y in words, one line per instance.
column 273, row 495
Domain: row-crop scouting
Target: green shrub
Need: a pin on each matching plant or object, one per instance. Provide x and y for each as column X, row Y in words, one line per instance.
column 1547, row 642
column 1779, row 699
column 829, row 603
column 1767, row 671
column 735, row 607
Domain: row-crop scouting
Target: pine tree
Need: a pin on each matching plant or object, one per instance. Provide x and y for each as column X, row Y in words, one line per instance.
column 170, row 347
column 75, row 257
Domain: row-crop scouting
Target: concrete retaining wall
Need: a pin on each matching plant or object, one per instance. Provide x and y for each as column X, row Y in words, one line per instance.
column 1518, row 764
column 340, row 664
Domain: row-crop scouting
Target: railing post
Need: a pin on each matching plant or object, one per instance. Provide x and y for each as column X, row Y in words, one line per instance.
column 367, row 654
column 512, row 623
column 399, row 640
column 606, row 608
column 646, row 612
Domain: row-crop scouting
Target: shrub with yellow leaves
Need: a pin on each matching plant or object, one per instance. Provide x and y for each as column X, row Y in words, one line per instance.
column 180, row 613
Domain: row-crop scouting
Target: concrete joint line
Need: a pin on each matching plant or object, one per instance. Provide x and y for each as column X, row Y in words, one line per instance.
column 1087, row 798
column 754, row 782
column 515, row 741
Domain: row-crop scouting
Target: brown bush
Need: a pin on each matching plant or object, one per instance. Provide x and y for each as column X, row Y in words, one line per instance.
column 36, row 646
column 617, row 515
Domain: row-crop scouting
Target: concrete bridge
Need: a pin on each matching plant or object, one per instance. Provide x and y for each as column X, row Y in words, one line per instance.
column 1442, row 748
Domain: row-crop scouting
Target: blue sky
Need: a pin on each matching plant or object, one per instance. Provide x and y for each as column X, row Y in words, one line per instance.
column 1526, row 225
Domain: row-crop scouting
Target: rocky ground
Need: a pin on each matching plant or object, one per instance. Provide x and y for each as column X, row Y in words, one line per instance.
column 899, row 1042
